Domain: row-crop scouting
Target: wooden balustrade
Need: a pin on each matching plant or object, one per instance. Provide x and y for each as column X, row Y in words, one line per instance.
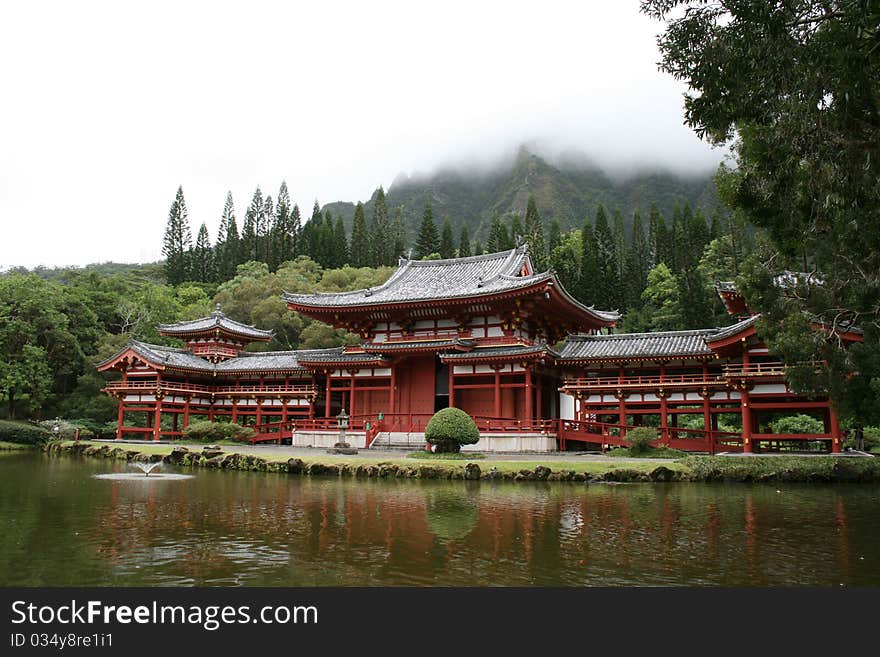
column 292, row 390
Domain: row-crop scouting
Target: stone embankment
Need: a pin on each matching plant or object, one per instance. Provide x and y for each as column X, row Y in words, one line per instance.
column 697, row 468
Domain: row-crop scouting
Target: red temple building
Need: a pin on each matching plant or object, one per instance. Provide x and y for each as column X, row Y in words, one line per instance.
column 538, row 370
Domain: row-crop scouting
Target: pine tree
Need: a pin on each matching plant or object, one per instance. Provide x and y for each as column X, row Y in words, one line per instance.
column 360, row 238
column 264, row 231
column 657, row 237
column 398, row 236
column 281, row 238
column 250, row 243
column 327, row 251
column 464, row 242
column 223, row 270
column 608, row 283
column 295, row 231
column 498, row 240
column 478, row 248
column 380, row 244
column 203, row 266
column 589, row 282
column 535, row 235
column 428, row 242
column 232, row 257
column 340, row 243
column 517, row 234
column 178, row 241
column 447, row 240
column 555, row 236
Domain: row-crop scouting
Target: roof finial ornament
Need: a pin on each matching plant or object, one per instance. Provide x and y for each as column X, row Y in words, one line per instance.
column 217, row 310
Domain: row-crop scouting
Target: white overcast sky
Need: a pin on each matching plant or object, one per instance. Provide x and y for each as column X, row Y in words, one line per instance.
column 107, row 107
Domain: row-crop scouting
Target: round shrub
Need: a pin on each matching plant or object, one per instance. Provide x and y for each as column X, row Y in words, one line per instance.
column 798, row 424
column 206, row 431
column 22, row 433
column 640, row 439
column 450, row 428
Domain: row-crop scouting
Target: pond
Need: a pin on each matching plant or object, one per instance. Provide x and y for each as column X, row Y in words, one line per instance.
column 62, row 526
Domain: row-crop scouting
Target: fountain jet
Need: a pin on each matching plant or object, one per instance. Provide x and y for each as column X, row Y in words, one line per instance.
column 146, row 468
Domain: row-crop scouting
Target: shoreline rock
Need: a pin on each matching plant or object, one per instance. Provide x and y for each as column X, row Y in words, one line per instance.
column 705, row 469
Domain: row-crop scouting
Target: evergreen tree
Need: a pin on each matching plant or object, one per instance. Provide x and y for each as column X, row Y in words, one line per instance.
column 447, row 240
column 498, row 240
column 608, row 283
column 340, row 243
column 360, row 238
column 657, row 243
column 478, row 248
column 202, row 262
column 555, row 235
column 589, row 279
column 428, row 242
column 250, row 242
column 295, row 231
column 327, row 252
column 264, row 230
column 281, row 234
column 223, row 270
column 464, row 242
column 535, row 234
column 380, row 244
column 517, row 234
column 398, row 236
column 177, row 244
column 231, row 250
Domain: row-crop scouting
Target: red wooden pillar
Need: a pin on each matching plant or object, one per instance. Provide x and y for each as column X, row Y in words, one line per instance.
column 707, row 422
column 746, row 421
column 186, row 413
column 157, row 419
column 120, row 418
column 539, row 402
column 664, row 415
column 351, row 394
column 497, row 392
column 259, row 415
column 528, row 391
column 835, row 429
column 392, row 392
column 746, row 408
column 451, row 385
column 234, row 402
column 327, row 400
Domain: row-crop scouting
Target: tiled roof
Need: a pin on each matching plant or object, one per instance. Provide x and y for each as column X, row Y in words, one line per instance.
column 636, row 345
column 339, row 355
column 455, row 278
column 733, row 329
column 261, row 361
column 170, row 356
column 500, row 352
column 216, row 320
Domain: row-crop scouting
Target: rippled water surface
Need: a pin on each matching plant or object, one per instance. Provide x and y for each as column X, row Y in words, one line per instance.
column 63, row 526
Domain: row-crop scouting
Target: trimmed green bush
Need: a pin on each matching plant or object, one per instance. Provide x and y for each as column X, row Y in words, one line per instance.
column 450, row 428
column 640, row 439
column 205, row 431
column 22, row 433
column 798, row 424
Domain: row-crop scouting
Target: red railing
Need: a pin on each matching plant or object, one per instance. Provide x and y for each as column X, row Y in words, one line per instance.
column 773, row 369
column 606, row 434
column 296, row 390
column 648, row 381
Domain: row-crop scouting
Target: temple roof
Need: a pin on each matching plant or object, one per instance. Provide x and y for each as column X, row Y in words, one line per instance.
column 215, row 321
column 411, row 345
column 454, row 278
column 315, row 357
column 501, row 352
column 637, row 345
column 733, row 329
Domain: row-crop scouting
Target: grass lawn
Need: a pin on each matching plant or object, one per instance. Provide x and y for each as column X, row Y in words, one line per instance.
column 13, row 446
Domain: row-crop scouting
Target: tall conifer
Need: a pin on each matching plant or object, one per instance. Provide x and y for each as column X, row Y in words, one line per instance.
column 464, row 242
column 177, row 245
column 360, row 238
column 428, row 242
column 447, row 240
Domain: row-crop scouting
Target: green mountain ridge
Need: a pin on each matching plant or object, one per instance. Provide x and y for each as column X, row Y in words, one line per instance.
column 569, row 192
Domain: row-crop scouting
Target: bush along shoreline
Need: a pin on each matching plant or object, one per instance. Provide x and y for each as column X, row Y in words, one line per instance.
column 777, row 469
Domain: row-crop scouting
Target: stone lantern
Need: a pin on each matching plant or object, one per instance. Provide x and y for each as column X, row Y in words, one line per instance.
column 341, row 446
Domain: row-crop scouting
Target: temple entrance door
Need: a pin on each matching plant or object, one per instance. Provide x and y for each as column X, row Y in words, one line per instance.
column 441, row 386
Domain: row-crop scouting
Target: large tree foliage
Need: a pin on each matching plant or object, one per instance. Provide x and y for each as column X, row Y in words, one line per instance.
column 794, row 87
